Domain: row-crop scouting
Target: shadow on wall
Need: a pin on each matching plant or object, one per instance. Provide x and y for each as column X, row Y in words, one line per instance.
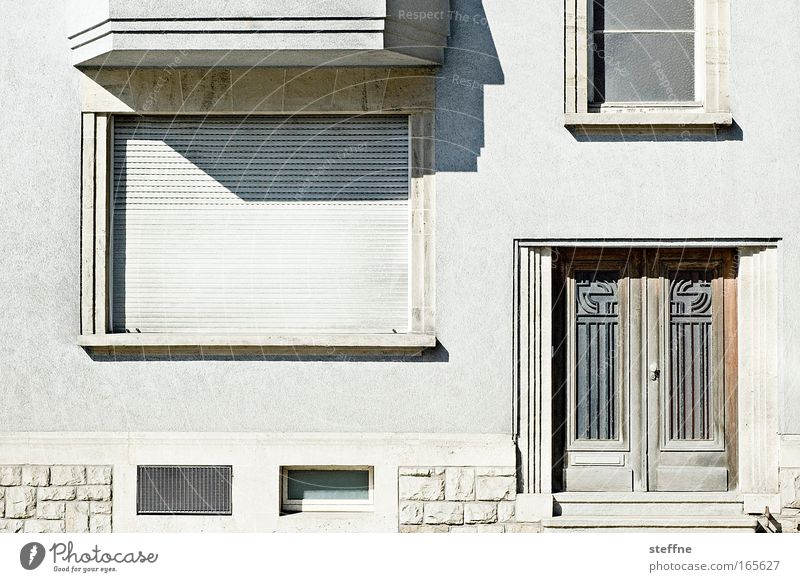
column 653, row 134
column 470, row 62
column 437, row 354
column 214, row 171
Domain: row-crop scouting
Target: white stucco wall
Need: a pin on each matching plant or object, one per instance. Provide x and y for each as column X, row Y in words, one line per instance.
column 507, row 168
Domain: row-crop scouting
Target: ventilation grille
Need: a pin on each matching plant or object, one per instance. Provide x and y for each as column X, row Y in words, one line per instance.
column 197, row 490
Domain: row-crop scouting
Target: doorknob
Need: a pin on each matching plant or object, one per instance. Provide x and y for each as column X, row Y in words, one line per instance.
column 654, row 372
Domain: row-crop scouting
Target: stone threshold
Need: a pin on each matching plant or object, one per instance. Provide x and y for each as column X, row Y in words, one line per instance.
column 648, row 497
column 689, row 523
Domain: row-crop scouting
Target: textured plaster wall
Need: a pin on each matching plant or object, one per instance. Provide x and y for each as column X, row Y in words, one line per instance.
column 506, row 168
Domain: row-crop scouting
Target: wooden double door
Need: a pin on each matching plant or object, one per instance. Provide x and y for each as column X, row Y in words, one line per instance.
column 644, row 370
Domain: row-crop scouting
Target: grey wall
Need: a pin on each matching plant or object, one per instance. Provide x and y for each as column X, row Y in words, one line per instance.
column 506, row 168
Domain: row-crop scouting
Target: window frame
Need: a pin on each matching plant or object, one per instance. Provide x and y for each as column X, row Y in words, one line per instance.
column 99, row 109
column 291, row 506
column 647, row 335
column 711, row 106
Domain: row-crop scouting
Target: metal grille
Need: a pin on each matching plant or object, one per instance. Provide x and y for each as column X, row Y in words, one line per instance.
column 196, row 490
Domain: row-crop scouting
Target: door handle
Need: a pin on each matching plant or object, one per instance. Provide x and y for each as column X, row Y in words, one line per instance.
column 654, row 372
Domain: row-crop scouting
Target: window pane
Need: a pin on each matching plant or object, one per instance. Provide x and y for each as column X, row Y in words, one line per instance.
column 597, row 324
column 643, row 14
column 690, row 355
column 643, row 66
column 328, row 485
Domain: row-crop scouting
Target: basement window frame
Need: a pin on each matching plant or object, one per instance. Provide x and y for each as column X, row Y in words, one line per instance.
column 294, row 506
column 96, row 244
column 711, row 107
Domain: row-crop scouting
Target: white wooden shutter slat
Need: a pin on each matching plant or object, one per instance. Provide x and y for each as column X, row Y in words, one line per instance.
column 280, row 225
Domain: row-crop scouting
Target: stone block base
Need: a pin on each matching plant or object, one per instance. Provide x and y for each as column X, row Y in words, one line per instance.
column 534, row 507
column 55, row 498
column 460, row 500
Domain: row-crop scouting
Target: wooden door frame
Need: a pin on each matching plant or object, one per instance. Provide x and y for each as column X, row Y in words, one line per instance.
column 642, row 400
column 755, row 351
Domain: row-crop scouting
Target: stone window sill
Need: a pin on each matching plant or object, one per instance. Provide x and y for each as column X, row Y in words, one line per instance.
column 649, row 118
column 312, row 344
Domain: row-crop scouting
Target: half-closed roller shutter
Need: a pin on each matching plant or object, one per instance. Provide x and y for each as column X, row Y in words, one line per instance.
column 268, row 224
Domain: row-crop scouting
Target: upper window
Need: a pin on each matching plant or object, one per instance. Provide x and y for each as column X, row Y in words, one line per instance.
column 654, row 61
column 643, row 52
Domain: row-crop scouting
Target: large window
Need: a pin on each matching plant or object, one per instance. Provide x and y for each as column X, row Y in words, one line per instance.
column 660, row 62
column 293, row 231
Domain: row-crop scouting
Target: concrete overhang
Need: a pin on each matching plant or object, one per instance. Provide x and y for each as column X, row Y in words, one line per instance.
column 242, row 33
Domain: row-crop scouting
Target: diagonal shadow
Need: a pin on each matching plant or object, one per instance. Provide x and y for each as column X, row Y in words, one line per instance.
column 471, row 62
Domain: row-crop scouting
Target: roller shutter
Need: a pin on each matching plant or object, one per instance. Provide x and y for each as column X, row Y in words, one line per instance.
column 268, row 224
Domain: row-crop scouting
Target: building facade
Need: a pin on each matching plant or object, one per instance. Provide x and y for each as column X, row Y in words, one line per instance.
column 394, row 265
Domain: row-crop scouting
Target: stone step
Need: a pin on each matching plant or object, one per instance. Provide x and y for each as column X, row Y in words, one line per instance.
column 640, row 504
column 650, row 509
column 686, row 524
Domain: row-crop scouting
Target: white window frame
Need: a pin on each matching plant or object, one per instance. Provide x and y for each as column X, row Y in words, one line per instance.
column 711, row 105
column 162, row 95
column 305, row 505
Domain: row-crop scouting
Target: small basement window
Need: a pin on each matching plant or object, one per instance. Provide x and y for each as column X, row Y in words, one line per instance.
column 326, row 489
column 184, row 490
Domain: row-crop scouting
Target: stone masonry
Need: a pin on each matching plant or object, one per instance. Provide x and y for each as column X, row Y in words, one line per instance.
column 790, row 512
column 459, row 500
column 55, row 498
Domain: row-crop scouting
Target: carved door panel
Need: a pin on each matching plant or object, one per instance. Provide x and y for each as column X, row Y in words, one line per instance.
column 600, row 297
column 689, row 393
